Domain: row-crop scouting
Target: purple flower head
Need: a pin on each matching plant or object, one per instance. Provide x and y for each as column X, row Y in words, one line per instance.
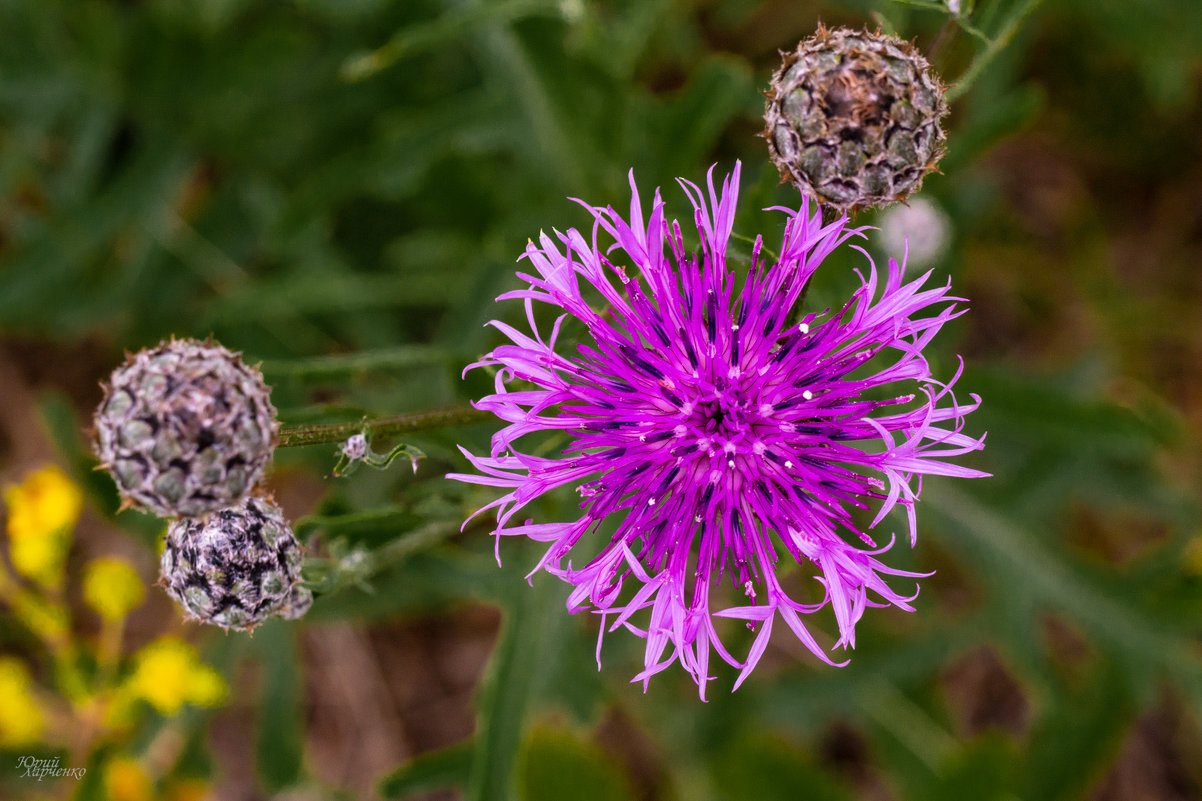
column 714, row 432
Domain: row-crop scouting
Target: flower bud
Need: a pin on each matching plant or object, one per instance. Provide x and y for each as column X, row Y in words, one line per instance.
column 185, row 428
column 237, row 568
column 853, row 118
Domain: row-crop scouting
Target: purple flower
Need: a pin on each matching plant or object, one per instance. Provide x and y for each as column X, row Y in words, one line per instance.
column 714, row 433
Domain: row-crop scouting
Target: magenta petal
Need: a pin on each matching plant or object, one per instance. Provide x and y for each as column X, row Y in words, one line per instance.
column 722, row 429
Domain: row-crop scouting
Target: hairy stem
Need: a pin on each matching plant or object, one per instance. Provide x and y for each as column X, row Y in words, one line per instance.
column 449, row 417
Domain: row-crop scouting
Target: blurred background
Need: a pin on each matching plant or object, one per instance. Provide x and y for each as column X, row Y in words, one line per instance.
column 339, row 188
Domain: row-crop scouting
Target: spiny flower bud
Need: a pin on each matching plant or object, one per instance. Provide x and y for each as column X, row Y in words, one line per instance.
column 853, row 118
column 237, row 568
column 185, row 428
column 298, row 603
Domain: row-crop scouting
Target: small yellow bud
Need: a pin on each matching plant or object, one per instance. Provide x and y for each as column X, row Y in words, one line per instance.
column 125, row 780
column 112, row 587
column 168, row 674
column 21, row 719
column 205, row 686
column 42, row 510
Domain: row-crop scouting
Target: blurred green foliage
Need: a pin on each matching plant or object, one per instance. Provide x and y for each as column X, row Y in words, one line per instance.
column 341, row 187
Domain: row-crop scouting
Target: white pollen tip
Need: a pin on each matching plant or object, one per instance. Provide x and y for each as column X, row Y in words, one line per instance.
column 651, row 502
column 696, row 518
column 730, row 462
column 804, row 328
column 642, row 437
column 788, row 465
column 807, row 395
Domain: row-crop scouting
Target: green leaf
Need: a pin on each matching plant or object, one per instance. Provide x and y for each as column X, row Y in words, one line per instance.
column 508, row 688
column 1013, row 556
column 988, row 123
column 557, row 764
column 768, row 768
column 688, row 126
column 1055, row 436
column 420, row 584
column 52, row 282
column 1019, row 11
column 384, row 521
column 281, row 726
column 506, row 60
column 414, row 39
column 398, row 358
column 1077, row 737
column 982, row 769
column 834, row 691
column 434, row 770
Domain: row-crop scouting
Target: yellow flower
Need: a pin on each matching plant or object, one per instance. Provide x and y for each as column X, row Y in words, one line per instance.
column 46, row 501
column 41, row 513
column 168, row 674
column 125, row 780
column 112, row 587
column 21, row 720
column 188, row 790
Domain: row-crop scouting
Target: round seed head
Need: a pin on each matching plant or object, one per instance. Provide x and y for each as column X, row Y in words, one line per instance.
column 185, row 428
column 853, row 118
column 237, row 568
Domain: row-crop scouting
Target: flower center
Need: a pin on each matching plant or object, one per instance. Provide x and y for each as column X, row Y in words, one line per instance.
column 724, row 415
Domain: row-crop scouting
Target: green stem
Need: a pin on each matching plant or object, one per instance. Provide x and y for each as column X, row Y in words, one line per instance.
column 449, row 417
column 829, row 215
column 751, row 241
column 992, row 50
column 414, row 541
